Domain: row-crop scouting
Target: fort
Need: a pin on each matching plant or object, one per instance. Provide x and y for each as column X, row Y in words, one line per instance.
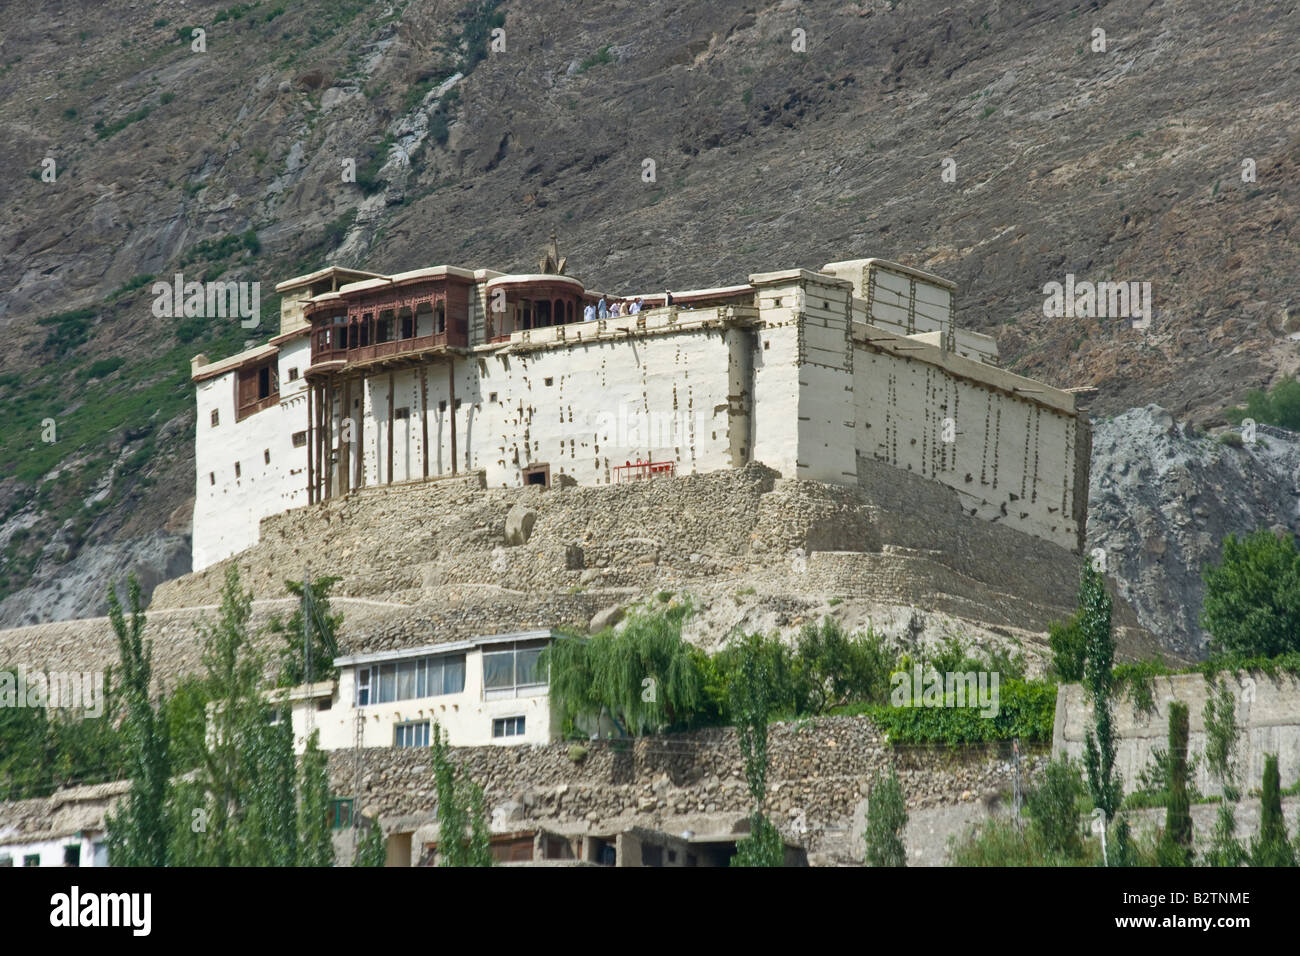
column 379, row 380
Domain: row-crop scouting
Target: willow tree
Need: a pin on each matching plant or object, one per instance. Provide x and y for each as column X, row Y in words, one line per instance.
column 642, row 677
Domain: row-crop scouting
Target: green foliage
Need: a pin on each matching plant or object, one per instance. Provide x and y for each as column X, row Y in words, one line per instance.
column 1221, row 735
column 1225, row 849
column 596, row 59
column 315, row 840
column 311, row 625
column 1139, row 678
column 371, row 850
column 68, row 329
column 1252, row 597
column 1104, row 785
column 105, row 130
column 1280, row 406
column 138, row 832
column 835, row 669
column 376, row 155
column 1001, row 842
column 1026, row 709
column 886, row 822
column 644, row 677
column 1068, row 650
column 764, row 845
column 1175, row 848
column 1054, row 809
column 101, row 367
column 186, row 714
column 463, row 835
column 1271, row 847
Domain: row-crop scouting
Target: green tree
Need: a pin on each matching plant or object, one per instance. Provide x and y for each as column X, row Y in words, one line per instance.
column 1252, row 597
column 1054, row 809
column 311, row 625
column 1099, row 745
column 1271, row 847
column 1175, row 847
column 138, row 832
column 750, row 704
column 315, row 840
column 837, row 668
column 886, row 822
column 463, row 834
column 1221, row 736
column 644, row 677
column 371, row 849
column 1069, row 649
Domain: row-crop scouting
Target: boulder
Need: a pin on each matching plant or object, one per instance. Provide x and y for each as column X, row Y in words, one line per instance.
column 519, row 525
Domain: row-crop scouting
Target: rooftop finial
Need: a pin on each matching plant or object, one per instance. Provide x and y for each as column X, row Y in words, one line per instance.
column 553, row 263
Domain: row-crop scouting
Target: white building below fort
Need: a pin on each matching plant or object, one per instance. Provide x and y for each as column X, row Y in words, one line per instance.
column 375, row 380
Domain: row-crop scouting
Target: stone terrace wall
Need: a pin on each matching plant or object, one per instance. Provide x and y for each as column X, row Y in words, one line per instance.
column 1267, row 707
column 819, row 768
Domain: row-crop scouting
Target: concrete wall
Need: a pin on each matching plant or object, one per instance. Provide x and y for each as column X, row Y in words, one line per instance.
column 1268, row 710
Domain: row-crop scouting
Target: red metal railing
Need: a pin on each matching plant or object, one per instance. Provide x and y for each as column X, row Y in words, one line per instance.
column 630, row 471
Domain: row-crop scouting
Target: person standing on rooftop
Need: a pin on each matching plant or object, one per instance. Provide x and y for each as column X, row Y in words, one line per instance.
column 589, row 313
column 602, row 309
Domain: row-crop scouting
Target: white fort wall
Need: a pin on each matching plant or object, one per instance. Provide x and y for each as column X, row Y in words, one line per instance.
column 228, row 507
column 582, row 409
column 1011, row 459
column 793, row 378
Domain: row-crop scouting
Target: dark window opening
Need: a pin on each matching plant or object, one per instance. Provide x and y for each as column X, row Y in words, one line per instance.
column 216, row 418
column 267, row 455
column 72, row 855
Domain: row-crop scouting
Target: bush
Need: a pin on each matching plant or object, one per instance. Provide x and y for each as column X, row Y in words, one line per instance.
column 1054, row 809
column 1067, row 642
column 886, row 822
column 1252, row 597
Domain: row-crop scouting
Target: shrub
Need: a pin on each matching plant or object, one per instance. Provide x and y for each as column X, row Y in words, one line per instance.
column 886, row 822
column 1054, row 809
column 1252, row 596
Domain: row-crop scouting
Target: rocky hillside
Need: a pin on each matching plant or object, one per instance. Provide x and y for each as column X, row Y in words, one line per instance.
column 1120, row 164
column 1165, row 494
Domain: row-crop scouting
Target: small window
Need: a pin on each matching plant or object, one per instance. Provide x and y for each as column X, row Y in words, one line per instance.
column 411, row 735
column 72, row 854
column 401, row 413
column 293, row 375
column 776, row 303
column 32, row 859
column 299, row 439
column 341, row 813
column 442, row 405
column 508, row 727
column 550, row 382
column 216, row 418
column 458, row 404
column 236, row 469
column 266, row 455
column 212, row 477
column 492, row 397
column 325, row 703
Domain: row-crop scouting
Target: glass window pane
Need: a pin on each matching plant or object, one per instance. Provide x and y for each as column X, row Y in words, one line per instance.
column 435, row 676
column 363, row 686
column 387, row 683
column 424, row 735
column 405, row 680
column 453, row 674
column 499, row 669
column 421, row 677
column 527, row 668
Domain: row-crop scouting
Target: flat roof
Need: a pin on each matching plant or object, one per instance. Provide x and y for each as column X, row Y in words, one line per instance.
column 216, row 369
column 445, row 648
column 327, row 272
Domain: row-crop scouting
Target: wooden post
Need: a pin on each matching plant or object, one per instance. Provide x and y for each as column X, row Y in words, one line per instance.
column 327, row 429
column 390, row 428
column 311, row 448
column 345, row 447
column 424, row 416
column 451, row 406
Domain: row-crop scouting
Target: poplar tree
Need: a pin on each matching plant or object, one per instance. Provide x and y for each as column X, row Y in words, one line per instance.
column 138, row 832
column 750, row 702
column 1175, row 847
column 460, row 809
column 370, row 850
column 315, row 840
column 886, row 821
column 1098, row 676
column 1271, row 848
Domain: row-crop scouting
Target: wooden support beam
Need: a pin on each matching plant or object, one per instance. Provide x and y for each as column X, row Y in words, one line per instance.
column 451, row 407
column 390, row 428
column 424, row 416
column 311, row 448
column 327, row 427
